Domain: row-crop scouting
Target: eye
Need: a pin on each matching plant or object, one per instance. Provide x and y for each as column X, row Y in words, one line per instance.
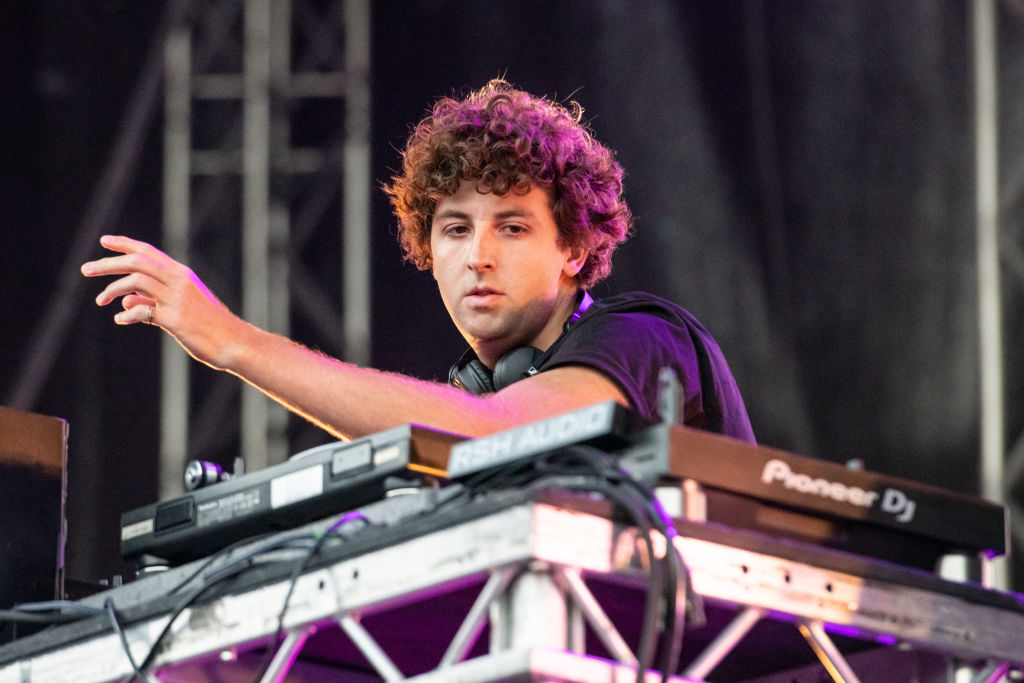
column 514, row 228
column 456, row 229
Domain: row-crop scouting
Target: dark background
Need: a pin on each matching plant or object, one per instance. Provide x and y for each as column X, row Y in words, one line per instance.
column 802, row 174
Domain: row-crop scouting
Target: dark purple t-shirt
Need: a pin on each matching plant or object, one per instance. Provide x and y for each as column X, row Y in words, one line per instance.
column 631, row 337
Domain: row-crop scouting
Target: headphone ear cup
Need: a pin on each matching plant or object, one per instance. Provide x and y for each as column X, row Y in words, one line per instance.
column 473, row 377
column 514, row 366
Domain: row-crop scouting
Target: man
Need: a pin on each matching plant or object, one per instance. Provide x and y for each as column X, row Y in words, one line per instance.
column 515, row 209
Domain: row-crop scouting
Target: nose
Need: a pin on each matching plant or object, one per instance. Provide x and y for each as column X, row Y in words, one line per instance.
column 481, row 251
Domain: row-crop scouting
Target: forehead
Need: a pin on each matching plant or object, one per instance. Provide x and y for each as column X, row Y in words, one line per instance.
column 472, row 199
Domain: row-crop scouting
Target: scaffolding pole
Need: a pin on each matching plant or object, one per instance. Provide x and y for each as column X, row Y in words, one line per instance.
column 993, row 447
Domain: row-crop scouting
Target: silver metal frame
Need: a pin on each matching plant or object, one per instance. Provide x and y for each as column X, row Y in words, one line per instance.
column 535, row 554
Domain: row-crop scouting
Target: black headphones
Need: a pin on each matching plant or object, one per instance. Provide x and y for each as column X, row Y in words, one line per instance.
column 469, row 374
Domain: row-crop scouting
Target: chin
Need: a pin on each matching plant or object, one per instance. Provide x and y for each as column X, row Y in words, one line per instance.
column 482, row 330
column 478, row 337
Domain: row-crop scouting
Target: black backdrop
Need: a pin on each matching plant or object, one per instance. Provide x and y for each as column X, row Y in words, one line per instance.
column 801, row 172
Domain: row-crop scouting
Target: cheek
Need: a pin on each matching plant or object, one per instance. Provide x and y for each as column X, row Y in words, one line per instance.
column 442, row 272
column 437, row 262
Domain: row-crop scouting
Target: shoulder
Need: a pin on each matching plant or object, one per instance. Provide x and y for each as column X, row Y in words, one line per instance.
column 642, row 308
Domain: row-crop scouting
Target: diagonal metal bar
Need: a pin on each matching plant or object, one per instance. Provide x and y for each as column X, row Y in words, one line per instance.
column 724, row 642
column 827, row 652
column 596, row 616
column 285, row 656
column 994, row 673
column 473, row 624
column 370, row 649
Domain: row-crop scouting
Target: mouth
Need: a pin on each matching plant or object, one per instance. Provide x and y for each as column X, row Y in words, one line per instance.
column 482, row 295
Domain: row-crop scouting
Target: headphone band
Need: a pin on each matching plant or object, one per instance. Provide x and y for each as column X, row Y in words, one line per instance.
column 471, row 375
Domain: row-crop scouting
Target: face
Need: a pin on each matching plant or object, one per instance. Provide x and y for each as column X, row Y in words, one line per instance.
column 503, row 277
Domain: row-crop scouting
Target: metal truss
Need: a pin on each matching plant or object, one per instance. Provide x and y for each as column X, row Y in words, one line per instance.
column 266, row 160
column 532, row 559
column 999, row 257
column 1011, row 262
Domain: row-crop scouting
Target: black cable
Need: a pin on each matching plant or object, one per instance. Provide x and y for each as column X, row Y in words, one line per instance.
column 629, row 493
column 293, row 580
column 13, row 616
column 576, row 471
column 677, row 578
column 223, row 552
column 655, row 595
column 115, row 624
column 178, row 609
column 676, row 572
column 563, row 469
column 212, row 578
column 297, row 539
column 48, row 612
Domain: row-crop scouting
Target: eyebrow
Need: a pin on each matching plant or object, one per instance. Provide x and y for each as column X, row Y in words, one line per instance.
column 462, row 215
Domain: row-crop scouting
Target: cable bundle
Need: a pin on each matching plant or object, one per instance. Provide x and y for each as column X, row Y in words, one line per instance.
column 590, row 470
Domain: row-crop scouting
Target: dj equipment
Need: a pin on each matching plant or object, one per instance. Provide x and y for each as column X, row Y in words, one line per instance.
column 763, row 488
column 826, row 503
column 727, row 482
column 473, row 376
column 318, row 482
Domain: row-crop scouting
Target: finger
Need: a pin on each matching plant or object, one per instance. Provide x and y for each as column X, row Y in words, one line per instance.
column 136, row 283
column 127, row 245
column 132, row 300
column 136, row 314
column 121, row 265
column 137, row 255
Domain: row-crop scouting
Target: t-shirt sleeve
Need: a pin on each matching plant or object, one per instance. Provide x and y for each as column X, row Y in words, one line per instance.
column 631, row 349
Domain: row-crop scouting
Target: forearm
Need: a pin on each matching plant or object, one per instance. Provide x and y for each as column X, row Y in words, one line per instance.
column 351, row 401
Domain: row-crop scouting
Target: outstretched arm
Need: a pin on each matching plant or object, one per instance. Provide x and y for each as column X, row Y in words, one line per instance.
column 346, row 400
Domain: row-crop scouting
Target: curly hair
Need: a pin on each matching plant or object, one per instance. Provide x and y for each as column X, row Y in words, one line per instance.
column 509, row 141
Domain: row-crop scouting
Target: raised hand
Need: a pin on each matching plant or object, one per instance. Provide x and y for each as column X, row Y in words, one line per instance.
column 158, row 290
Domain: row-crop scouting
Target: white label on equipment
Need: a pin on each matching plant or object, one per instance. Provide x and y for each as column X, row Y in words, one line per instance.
column 289, row 488
column 137, row 529
column 387, row 454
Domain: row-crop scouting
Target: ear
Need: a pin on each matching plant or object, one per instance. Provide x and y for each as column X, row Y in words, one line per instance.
column 574, row 263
